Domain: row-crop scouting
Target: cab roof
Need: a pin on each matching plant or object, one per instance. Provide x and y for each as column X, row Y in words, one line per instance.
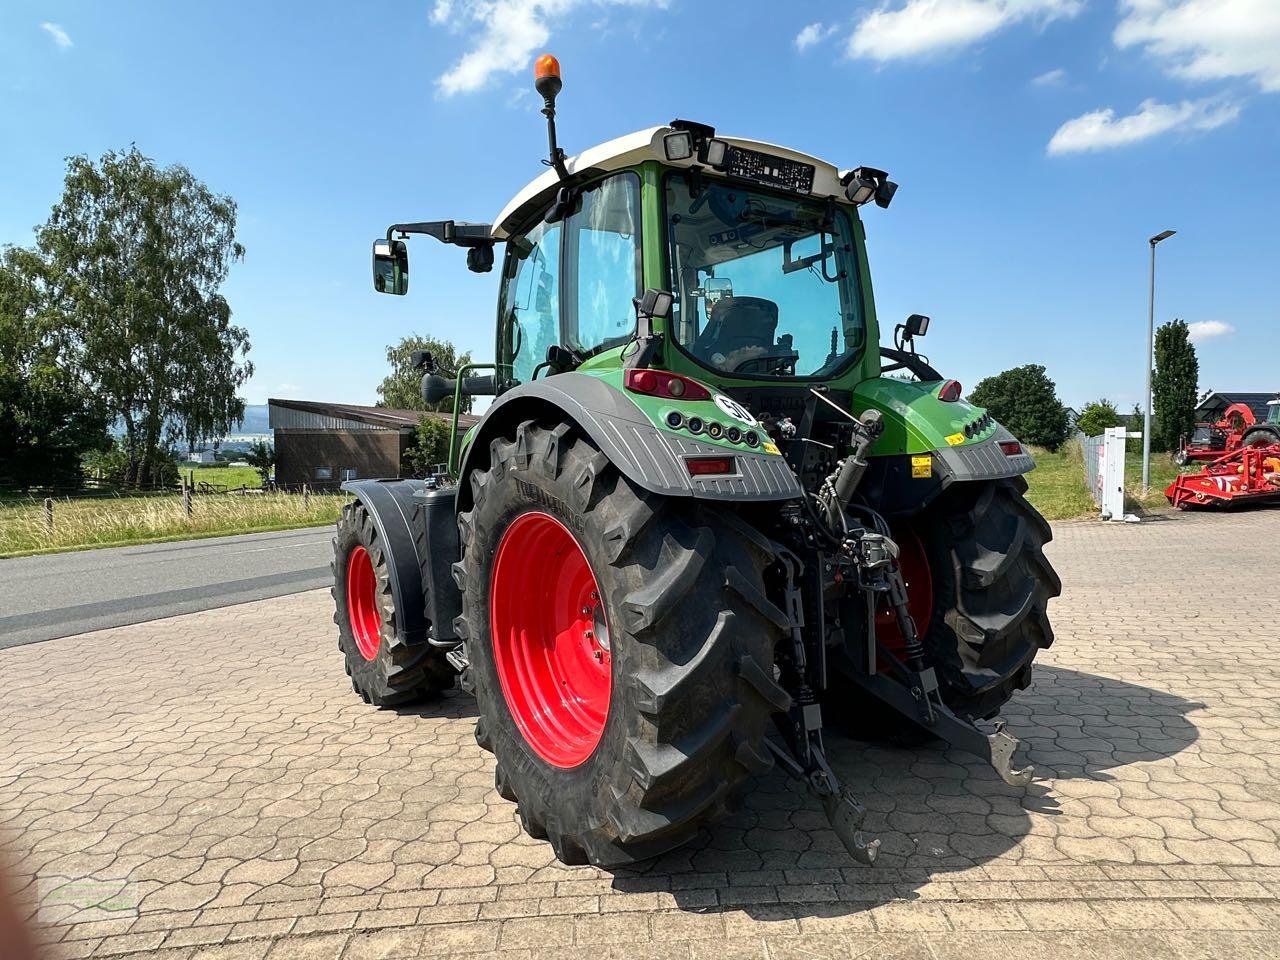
column 634, row 148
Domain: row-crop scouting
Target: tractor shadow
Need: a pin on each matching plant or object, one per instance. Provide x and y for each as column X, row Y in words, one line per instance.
column 451, row 704
column 936, row 810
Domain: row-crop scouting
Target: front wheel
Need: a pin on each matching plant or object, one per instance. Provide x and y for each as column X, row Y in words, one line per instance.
column 621, row 646
column 384, row 670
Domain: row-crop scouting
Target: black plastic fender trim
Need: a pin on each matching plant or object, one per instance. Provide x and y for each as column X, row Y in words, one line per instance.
column 650, row 458
column 391, row 506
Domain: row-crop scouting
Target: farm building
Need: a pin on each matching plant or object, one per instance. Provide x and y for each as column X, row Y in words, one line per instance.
column 323, row 444
column 1213, row 404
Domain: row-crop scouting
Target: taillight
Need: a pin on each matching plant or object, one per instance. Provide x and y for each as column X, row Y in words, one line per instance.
column 704, row 466
column 1011, row 448
column 659, row 383
column 950, row 391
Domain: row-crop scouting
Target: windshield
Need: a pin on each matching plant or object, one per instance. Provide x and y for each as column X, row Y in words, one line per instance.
column 765, row 285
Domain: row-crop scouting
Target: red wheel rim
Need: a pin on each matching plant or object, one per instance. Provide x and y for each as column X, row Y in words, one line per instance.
column 550, row 639
column 919, row 580
column 362, row 604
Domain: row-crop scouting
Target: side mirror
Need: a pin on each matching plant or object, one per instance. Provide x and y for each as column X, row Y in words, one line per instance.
column 436, row 388
column 391, row 267
column 917, row 325
column 654, row 303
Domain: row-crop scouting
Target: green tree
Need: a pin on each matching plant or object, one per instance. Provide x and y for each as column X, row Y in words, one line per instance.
column 430, row 445
column 134, row 256
column 1174, row 386
column 262, row 457
column 1097, row 416
column 402, row 388
column 48, row 420
column 1025, row 401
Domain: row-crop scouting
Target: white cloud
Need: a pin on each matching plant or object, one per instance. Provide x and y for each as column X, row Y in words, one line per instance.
column 812, row 35
column 504, row 34
column 1207, row 39
column 1051, row 78
column 60, row 38
column 1203, row 330
column 1103, row 130
column 918, row 27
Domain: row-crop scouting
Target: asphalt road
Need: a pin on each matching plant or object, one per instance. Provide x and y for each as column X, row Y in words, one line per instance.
column 59, row 595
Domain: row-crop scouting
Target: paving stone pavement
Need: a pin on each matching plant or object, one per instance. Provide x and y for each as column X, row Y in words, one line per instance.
column 209, row 787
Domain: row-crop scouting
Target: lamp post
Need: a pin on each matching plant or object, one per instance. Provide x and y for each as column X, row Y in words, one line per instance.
column 1150, row 359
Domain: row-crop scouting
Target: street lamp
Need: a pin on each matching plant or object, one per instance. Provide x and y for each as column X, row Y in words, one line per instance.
column 1151, row 320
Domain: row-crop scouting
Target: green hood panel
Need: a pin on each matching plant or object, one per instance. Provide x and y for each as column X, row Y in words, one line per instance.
column 915, row 420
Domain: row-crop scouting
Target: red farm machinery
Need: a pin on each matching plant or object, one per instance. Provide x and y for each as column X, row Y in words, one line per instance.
column 1248, row 474
column 1237, row 427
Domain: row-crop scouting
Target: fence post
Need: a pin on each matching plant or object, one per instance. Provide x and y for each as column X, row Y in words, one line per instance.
column 48, row 514
column 186, row 496
column 306, row 497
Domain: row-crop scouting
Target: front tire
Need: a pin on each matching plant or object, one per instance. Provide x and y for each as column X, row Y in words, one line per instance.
column 384, row 670
column 626, row 763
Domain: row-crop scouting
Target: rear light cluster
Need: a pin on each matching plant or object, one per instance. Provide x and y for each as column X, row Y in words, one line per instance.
column 716, row 431
column 975, row 428
column 1011, row 448
column 659, row 383
column 709, row 466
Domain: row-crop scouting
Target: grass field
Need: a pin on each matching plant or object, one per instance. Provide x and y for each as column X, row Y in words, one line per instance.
column 1058, row 490
column 120, row 521
column 229, row 477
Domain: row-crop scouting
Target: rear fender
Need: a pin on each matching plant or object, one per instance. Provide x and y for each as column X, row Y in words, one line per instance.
column 650, row 458
column 416, row 526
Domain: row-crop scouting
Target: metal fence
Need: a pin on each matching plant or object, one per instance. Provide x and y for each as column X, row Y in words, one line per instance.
column 1093, row 447
column 1104, row 471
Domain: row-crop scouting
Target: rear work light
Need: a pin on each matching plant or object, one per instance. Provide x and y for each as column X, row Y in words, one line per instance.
column 659, row 383
column 708, row 466
column 1011, row 448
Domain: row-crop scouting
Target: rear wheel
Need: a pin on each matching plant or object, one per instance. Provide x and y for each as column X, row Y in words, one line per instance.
column 384, row 670
column 991, row 589
column 978, row 588
column 621, row 646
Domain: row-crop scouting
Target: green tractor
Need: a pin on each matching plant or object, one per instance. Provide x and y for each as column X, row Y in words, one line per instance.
column 707, row 509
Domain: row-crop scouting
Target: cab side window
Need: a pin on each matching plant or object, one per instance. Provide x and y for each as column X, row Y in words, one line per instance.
column 603, row 265
column 530, row 302
column 572, row 283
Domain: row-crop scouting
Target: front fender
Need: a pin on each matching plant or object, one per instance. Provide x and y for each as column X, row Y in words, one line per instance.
column 415, row 523
column 652, row 459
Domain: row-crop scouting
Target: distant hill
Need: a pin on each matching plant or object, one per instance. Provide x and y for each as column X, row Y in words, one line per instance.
column 256, row 420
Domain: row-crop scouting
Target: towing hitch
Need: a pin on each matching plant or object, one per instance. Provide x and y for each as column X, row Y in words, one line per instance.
column 915, row 693
column 842, row 808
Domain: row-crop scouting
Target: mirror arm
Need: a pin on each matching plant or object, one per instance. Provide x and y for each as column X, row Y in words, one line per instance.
column 458, row 233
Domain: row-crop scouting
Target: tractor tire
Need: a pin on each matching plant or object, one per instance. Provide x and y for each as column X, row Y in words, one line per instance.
column 384, row 670
column 621, row 646
column 991, row 589
column 1263, row 436
column 981, row 612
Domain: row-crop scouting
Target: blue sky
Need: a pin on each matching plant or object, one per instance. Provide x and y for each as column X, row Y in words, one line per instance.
column 1038, row 144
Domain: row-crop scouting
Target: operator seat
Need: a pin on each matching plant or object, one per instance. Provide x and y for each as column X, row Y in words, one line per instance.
column 739, row 322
